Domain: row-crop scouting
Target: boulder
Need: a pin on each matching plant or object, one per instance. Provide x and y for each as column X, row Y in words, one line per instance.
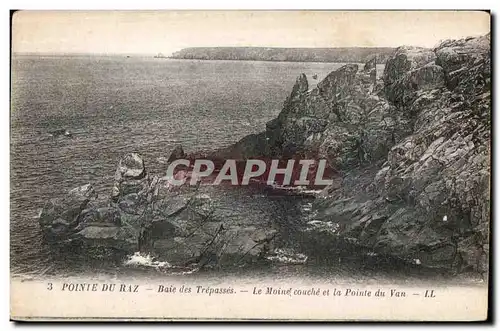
column 101, row 216
column 130, row 177
column 413, row 83
column 131, row 166
column 60, row 216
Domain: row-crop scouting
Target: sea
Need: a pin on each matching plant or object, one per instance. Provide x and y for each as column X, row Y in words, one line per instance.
column 114, row 105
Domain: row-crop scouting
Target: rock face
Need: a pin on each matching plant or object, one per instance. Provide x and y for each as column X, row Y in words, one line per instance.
column 414, row 151
column 345, row 120
column 148, row 214
column 60, row 216
column 429, row 202
column 130, row 177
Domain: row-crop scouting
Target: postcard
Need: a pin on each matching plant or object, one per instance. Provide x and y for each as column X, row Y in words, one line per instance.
column 250, row 165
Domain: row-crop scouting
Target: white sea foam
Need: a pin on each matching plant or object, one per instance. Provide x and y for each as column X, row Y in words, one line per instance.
column 287, row 256
column 187, row 272
column 139, row 259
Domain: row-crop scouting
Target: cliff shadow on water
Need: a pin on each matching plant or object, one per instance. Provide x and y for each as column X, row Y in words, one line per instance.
column 409, row 153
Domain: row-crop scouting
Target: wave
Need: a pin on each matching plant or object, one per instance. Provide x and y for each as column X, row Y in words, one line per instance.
column 142, row 260
column 287, row 256
column 139, row 259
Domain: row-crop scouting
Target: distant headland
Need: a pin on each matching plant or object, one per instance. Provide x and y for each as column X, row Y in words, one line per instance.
column 334, row 54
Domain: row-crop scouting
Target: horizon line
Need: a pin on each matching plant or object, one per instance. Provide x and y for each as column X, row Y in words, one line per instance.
column 171, row 53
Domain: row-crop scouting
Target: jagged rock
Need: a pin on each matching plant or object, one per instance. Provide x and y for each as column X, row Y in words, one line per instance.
column 405, row 59
column 431, row 197
column 131, row 166
column 59, row 217
column 342, row 119
column 302, row 85
column 329, row 121
column 147, row 215
column 370, row 68
column 337, row 82
column 177, row 153
column 370, row 65
column 130, row 177
column 423, row 138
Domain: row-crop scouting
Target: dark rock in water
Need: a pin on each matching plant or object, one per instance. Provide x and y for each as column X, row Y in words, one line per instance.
column 130, row 177
column 60, row 216
column 370, row 65
column 404, row 91
column 131, row 167
column 60, row 132
column 149, row 215
column 177, row 153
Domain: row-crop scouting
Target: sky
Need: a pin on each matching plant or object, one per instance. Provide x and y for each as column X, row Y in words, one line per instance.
column 152, row 32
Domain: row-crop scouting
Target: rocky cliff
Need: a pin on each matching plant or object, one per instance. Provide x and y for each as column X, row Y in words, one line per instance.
column 412, row 150
column 334, row 54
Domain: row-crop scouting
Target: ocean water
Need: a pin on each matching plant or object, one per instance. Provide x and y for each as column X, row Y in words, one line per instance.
column 116, row 105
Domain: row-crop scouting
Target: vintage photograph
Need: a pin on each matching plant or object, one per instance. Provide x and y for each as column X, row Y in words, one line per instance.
column 250, row 165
